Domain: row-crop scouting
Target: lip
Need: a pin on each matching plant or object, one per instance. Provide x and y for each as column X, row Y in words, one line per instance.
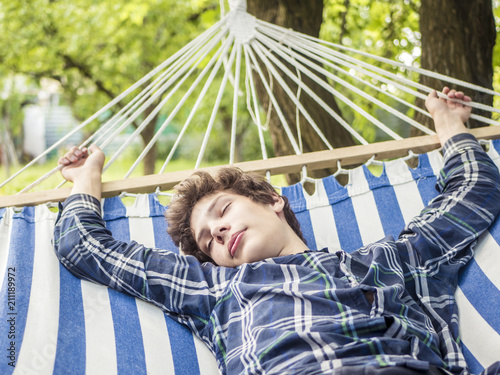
column 234, row 242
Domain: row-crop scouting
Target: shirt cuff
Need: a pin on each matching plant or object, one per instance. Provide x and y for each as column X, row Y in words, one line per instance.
column 459, row 143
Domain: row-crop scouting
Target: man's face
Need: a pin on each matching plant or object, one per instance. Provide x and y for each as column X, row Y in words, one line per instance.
column 233, row 229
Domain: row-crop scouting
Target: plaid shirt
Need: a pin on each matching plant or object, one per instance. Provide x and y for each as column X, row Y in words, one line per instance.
column 308, row 313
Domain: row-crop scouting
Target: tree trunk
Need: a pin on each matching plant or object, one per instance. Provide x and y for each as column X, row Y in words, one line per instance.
column 147, row 134
column 305, row 17
column 458, row 37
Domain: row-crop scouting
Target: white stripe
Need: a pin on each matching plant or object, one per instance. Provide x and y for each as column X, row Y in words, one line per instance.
column 436, row 161
column 157, row 349
column 487, row 256
column 38, row 352
column 140, row 224
column 155, row 338
column 140, row 209
column 206, row 360
column 405, row 188
column 322, row 220
column 365, row 208
column 479, row 337
column 99, row 332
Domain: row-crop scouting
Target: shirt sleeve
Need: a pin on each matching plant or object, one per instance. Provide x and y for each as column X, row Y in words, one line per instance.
column 178, row 284
column 444, row 233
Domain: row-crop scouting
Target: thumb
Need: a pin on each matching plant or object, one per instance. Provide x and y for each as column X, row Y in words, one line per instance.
column 96, row 156
column 94, row 148
column 430, row 100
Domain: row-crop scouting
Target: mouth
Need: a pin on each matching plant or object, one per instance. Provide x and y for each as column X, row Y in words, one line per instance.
column 234, row 242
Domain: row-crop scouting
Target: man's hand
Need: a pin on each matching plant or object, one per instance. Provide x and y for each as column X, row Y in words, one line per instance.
column 84, row 168
column 449, row 116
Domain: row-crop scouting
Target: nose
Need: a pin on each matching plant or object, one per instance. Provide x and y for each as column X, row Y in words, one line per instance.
column 219, row 232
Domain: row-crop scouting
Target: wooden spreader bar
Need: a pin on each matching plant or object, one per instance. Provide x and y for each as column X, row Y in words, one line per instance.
column 347, row 156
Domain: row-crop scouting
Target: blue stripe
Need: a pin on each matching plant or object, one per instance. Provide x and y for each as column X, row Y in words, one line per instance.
column 343, row 212
column 20, row 266
column 162, row 239
column 495, row 230
column 183, row 349
column 156, row 209
column 298, row 204
column 130, row 355
column 425, row 179
column 304, row 219
column 387, row 203
column 496, row 145
column 113, row 209
column 481, row 293
column 474, row 366
column 71, row 346
column 295, row 196
column 128, row 334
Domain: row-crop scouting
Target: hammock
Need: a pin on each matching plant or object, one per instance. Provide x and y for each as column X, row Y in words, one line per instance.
column 66, row 325
column 56, row 323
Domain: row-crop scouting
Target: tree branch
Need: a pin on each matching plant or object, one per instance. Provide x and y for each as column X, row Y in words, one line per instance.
column 85, row 70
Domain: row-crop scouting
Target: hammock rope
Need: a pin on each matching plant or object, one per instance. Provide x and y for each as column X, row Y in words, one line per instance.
column 179, row 105
column 250, row 49
column 334, row 92
column 361, row 93
column 102, row 111
column 214, row 111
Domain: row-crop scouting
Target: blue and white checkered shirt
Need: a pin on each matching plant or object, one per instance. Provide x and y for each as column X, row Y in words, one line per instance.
column 308, row 313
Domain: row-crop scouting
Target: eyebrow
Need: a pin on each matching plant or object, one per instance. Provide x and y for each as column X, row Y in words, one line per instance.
column 209, row 210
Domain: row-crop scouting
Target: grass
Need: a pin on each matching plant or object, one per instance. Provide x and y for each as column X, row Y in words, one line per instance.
column 116, row 172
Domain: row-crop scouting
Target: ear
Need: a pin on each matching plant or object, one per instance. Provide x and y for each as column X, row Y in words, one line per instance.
column 279, row 204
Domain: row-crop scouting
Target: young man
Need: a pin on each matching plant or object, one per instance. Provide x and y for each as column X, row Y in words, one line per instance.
column 266, row 304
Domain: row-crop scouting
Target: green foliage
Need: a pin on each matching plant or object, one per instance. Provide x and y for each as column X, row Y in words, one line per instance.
column 97, row 49
column 11, row 103
column 383, row 28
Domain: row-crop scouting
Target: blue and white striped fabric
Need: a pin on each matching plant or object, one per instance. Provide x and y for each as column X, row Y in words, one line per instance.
column 67, row 326
column 52, row 322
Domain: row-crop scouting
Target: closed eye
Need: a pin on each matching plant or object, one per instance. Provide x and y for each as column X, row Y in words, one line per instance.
column 225, row 208
column 209, row 246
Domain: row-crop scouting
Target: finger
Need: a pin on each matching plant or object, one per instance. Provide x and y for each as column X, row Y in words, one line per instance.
column 452, row 94
column 76, row 154
column 433, row 94
column 82, row 153
column 460, row 95
column 73, row 158
column 446, row 89
column 64, row 161
column 68, row 154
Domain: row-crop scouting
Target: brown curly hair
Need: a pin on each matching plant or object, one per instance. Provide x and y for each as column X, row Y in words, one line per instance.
column 201, row 184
